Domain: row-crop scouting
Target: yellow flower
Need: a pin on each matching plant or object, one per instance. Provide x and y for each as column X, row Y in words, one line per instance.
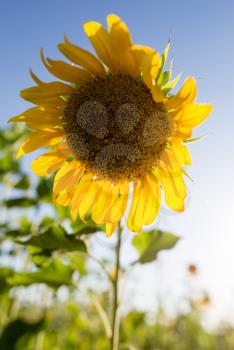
column 114, row 125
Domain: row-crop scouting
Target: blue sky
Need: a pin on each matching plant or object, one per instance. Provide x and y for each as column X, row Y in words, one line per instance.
column 201, row 34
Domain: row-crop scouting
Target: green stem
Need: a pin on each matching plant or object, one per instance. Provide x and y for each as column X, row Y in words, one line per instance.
column 39, row 341
column 115, row 326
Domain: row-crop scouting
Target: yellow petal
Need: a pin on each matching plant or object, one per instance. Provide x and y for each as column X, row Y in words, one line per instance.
column 110, row 228
column 194, row 114
column 89, row 200
column 119, row 30
column 80, row 193
column 122, row 44
column 174, row 189
column 182, row 132
column 82, row 57
column 186, row 95
column 35, row 78
column 101, row 42
column 171, row 177
column 182, row 153
column 40, row 138
column 39, row 118
column 108, row 195
column 65, row 71
column 169, row 162
column 153, row 198
column 50, row 161
column 157, row 93
column 47, row 93
column 136, row 215
column 150, row 69
column 145, row 203
column 63, row 198
column 116, row 212
column 142, row 52
column 67, row 177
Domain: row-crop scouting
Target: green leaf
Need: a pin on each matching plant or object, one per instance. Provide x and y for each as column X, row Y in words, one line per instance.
column 46, row 222
column 44, row 188
column 40, row 257
column 3, row 226
column 23, row 230
column 149, row 244
column 22, row 202
column 54, row 275
column 23, row 183
column 87, row 227
column 15, row 330
column 25, row 224
column 79, row 264
column 14, row 233
column 5, row 272
column 63, row 212
column 54, row 239
column 8, row 164
column 10, row 135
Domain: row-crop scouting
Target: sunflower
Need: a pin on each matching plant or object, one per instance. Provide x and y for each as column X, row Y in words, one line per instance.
column 113, row 127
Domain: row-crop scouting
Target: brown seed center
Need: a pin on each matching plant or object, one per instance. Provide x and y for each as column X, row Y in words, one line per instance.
column 115, row 128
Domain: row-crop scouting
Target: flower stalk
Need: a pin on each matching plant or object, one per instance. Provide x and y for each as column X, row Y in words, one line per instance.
column 115, row 302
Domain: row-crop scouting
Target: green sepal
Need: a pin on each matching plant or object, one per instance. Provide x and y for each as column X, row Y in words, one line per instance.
column 184, row 172
column 195, row 139
column 171, row 84
column 163, row 60
column 165, row 76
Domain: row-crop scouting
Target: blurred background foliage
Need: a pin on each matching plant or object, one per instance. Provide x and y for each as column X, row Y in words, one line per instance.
column 54, row 291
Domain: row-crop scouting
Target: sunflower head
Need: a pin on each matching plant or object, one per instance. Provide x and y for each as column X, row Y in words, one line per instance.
column 115, row 128
column 113, row 122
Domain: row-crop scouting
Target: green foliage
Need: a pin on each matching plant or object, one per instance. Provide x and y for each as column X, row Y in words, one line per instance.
column 43, row 188
column 55, row 239
column 22, row 202
column 16, row 330
column 23, row 183
column 149, row 244
column 5, row 273
column 86, row 228
column 184, row 332
column 69, row 325
column 54, row 275
column 8, row 164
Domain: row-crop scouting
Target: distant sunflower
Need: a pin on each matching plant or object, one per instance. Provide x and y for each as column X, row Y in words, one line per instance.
column 114, row 124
